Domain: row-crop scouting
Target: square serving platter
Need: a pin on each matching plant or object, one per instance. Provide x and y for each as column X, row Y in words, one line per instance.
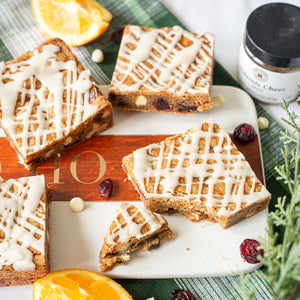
column 197, row 250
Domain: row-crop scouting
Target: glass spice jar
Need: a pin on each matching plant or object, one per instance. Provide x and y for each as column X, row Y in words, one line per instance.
column 269, row 62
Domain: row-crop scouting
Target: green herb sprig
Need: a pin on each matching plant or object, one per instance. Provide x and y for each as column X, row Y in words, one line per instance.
column 282, row 253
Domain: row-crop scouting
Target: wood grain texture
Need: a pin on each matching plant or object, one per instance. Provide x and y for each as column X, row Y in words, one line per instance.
column 78, row 171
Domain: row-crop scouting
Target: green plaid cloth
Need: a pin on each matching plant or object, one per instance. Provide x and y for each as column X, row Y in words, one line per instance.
column 19, row 33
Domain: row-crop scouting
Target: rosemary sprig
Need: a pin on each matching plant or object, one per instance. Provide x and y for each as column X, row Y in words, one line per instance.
column 247, row 293
column 282, row 254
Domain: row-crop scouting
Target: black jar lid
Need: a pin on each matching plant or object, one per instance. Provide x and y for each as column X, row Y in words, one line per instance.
column 273, row 34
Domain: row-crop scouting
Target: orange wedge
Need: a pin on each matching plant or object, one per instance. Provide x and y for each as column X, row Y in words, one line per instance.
column 78, row 284
column 77, row 22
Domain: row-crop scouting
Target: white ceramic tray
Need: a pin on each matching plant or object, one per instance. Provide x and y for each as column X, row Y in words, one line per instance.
column 198, row 249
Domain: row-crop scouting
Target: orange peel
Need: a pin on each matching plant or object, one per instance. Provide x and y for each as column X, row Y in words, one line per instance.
column 78, row 284
column 77, row 22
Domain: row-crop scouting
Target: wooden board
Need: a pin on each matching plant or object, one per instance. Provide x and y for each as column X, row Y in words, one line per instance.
column 78, row 171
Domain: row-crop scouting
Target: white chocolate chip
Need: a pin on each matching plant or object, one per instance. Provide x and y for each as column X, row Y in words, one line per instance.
column 68, row 140
column 76, row 204
column 49, row 153
column 263, row 123
column 97, row 56
column 140, row 100
column 218, row 101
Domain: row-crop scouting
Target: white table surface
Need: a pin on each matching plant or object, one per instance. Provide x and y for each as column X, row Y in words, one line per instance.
column 226, row 19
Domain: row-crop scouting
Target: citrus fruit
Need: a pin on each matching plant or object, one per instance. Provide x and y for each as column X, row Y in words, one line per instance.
column 78, row 284
column 77, row 22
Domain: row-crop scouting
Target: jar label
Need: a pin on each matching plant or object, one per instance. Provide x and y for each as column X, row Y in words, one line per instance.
column 266, row 85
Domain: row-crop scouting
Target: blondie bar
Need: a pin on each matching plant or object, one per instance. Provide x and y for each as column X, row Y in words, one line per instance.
column 200, row 174
column 23, row 230
column 49, row 102
column 163, row 70
column 134, row 228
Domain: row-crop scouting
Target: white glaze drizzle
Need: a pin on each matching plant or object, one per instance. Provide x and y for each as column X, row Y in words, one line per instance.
column 176, row 75
column 129, row 228
column 44, row 67
column 16, row 208
column 229, row 169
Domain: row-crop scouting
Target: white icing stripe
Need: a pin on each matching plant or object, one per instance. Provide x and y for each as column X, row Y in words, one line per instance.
column 176, row 68
column 218, row 166
column 43, row 112
column 16, row 208
column 129, row 228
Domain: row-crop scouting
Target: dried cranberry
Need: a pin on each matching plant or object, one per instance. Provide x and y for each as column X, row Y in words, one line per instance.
column 116, row 36
column 244, row 133
column 121, row 103
column 105, row 188
column 181, row 294
column 161, row 104
column 98, row 117
column 249, row 250
column 154, row 246
column 185, row 108
column 111, row 96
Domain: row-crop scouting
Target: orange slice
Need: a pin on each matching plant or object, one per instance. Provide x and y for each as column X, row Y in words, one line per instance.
column 77, row 22
column 78, row 284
